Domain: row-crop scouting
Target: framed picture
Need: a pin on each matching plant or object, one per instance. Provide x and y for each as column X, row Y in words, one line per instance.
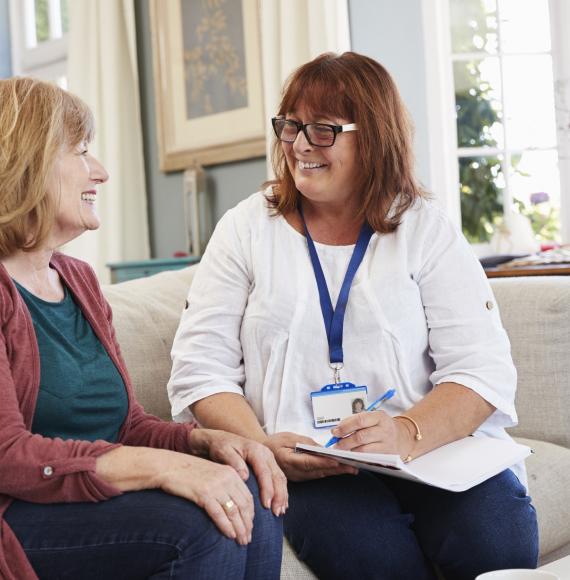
column 208, row 89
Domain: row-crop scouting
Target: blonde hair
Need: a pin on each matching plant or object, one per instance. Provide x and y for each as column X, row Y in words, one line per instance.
column 358, row 88
column 37, row 120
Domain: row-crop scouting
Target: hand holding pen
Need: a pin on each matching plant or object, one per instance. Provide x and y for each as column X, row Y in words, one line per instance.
column 372, row 407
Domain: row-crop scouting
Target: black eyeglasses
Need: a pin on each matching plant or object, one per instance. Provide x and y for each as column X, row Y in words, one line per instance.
column 317, row 134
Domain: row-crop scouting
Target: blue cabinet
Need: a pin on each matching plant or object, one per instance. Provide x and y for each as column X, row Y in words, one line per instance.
column 123, row 271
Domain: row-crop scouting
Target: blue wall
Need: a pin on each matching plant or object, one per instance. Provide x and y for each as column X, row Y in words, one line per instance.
column 226, row 184
column 376, row 29
column 5, row 59
column 392, row 33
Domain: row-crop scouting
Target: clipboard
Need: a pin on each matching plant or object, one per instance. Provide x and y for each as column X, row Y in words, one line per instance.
column 457, row 466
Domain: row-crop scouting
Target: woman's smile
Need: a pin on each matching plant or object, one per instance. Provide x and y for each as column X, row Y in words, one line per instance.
column 308, row 165
column 89, row 196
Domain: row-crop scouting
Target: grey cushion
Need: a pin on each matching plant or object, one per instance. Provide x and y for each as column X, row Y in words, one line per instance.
column 536, row 314
column 548, row 470
column 145, row 315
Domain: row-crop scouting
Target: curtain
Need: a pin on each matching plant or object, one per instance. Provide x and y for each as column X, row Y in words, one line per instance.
column 292, row 33
column 102, row 70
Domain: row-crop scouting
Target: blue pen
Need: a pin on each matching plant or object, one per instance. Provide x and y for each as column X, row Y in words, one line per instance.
column 372, row 407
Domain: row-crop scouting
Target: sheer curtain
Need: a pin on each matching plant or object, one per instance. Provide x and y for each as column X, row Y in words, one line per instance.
column 292, row 33
column 102, row 70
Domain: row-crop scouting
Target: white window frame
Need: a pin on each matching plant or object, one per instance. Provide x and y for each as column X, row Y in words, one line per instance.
column 46, row 60
column 560, row 32
column 440, row 104
column 440, row 97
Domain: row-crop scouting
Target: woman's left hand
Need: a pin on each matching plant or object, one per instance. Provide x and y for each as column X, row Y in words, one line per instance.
column 371, row 432
column 238, row 452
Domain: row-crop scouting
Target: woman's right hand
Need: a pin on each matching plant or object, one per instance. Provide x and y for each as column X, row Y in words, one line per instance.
column 302, row 466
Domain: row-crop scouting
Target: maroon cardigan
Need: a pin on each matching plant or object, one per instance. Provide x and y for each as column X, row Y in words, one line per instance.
column 24, row 457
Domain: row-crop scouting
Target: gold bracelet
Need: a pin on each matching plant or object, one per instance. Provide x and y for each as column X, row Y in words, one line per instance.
column 417, row 436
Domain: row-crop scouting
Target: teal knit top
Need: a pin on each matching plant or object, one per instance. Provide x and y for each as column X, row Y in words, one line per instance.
column 82, row 395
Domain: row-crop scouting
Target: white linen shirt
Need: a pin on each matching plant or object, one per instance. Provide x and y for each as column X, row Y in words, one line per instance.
column 420, row 312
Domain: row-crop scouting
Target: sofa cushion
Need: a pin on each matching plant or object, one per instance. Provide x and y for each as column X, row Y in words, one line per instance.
column 146, row 313
column 548, row 469
column 536, row 314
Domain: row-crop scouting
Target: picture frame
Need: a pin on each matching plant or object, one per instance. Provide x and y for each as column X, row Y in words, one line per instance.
column 208, row 83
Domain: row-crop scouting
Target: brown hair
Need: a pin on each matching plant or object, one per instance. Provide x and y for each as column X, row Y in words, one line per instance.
column 37, row 120
column 357, row 88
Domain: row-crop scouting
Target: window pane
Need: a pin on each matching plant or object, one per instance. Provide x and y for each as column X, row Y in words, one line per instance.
column 481, row 186
column 473, row 26
column 529, row 101
column 64, row 16
column 525, row 25
column 477, row 101
column 535, row 184
column 42, row 20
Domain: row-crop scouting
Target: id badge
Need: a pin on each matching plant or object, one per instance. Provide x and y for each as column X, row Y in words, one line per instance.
column 335, row 402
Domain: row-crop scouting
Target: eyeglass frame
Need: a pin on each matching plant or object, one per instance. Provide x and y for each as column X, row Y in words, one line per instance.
column 303, row 127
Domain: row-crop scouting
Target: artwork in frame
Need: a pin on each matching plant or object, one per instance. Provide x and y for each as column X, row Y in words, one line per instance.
column 208, row 89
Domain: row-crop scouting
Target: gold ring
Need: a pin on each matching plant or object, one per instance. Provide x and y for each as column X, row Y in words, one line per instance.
column 228, row 505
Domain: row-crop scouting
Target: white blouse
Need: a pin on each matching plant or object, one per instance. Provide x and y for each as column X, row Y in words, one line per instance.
column 420, row 312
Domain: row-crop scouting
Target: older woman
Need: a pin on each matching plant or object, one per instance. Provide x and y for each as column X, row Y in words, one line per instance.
column 73, row 440
column 346, row 223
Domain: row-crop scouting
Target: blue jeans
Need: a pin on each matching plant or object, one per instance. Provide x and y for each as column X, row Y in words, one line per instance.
column 140, row 535
column 373, row 526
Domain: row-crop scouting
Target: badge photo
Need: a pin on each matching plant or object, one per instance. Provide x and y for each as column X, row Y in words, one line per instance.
column 335, row 402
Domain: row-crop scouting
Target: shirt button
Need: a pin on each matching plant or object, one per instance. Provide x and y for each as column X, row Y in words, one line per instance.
column 489, row 305
column 48, row 470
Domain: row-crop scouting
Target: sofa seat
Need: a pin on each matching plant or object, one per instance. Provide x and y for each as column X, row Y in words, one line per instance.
column 548, row 470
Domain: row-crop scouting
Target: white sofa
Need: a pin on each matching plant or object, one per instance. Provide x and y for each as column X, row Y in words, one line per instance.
column 536, row 314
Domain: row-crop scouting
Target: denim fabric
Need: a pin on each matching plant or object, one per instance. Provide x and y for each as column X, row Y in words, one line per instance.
column 373, row 526
column 140, row 535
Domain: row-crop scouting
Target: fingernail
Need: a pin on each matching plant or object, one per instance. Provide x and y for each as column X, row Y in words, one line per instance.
column 267, row 504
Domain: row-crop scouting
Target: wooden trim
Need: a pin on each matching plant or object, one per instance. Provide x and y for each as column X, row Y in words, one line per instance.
column 543, row 270
column 212, row 156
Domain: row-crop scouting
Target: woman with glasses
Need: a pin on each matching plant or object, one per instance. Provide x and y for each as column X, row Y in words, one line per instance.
column 342, row 277
column 90, row 485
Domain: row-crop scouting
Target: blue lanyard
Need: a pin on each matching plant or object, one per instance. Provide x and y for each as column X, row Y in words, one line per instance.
column 334, row 319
